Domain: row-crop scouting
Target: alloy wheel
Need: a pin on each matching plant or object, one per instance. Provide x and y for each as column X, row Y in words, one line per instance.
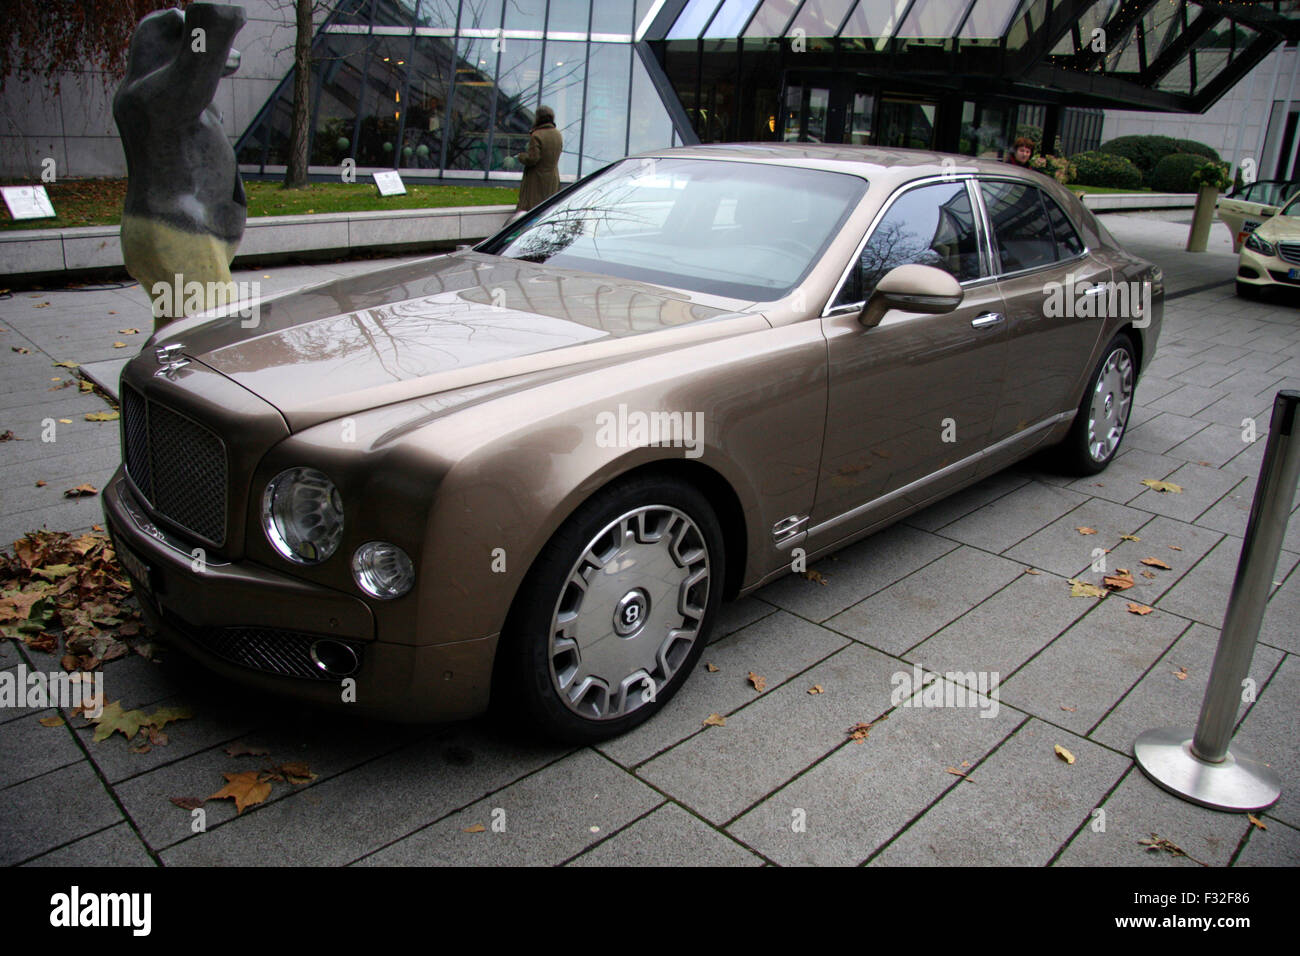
column 1111, row 401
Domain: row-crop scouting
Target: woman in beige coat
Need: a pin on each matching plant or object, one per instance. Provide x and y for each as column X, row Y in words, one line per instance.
column 542, row 161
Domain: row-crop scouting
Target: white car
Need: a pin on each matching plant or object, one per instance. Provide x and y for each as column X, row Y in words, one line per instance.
column 1248, row 207
column 1270, row 253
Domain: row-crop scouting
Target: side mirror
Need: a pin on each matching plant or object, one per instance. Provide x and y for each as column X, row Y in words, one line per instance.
column 912, row 288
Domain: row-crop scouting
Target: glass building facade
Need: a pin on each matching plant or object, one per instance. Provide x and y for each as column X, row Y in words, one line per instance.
column 448, row 88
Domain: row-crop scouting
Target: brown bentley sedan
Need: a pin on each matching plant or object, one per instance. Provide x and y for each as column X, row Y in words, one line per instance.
column 528, row 473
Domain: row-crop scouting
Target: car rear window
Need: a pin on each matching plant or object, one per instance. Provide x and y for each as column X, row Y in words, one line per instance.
column 1022, row 232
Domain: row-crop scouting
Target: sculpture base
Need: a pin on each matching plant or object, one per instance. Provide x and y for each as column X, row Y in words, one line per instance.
column 1238, row 784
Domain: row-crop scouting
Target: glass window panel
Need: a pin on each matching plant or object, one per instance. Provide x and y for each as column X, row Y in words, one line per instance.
column 339, row 69
column 481, row 14
column 1124, row 57
column 612, row 16
column 874, row 18
column 1027, row 20
column 1067, row 240
column 382, row 107
column 426, row 108
column 568, row 16
column 1096, row 16
column 396, row 12
column 436, row 13
column 649, row 126
column 858, row 118
column 771, row 18
column 932, row 18
column 1209, row 63
column 604, row 123
column 930, row 226
column 730, row 19
column 352, row 11
column 1179, row 78
column 1021, row 231
column 525, row 15
column 562, row 80
column 1162, row 25
column 519, row 78
column 692, row 19
column 821, row 18
column 989, row 19
column 471, row 105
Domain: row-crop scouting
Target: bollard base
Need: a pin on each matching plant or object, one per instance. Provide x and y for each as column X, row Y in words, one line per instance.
column 1239, row 784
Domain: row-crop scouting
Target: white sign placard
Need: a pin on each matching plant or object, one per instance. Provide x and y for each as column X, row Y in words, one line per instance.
column 28, row 202
column 390, row 183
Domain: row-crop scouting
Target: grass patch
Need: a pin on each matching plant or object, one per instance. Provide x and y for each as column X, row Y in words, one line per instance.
column 98, row 202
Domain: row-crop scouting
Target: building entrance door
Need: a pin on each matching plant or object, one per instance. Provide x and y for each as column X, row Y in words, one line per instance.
column 827, row 108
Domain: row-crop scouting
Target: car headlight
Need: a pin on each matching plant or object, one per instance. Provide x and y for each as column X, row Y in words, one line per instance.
column 1262, row 246
column 382, row 570
column 302, row 515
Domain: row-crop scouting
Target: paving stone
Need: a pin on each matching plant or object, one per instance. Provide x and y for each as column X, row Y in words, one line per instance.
column 1163, row 699
column 548, row 817
column 1139, row 809
column 1234, row 407
column 857, row 572
column 115, row 846
column 1268, row 732
column 1279, row 845
column 1214, row 445
column 724, row 770
column 1162, row 432
column 1207, row 374
column 51, row 810
column 1202, row 487
column 19, row 679
column 949, row 509
column 1122, row 480
column 849, row 804
column 733, row 615
column 1280, row 628
column 776, row 647
column 1092, row 665
column 1018, row 807
column 923, row 603
column 670, row 836
column 1202, row 594
column 1062, row 549
column 1006, row 630
column 29, row 749
column 1150, row 387
column 1000, row 524
column 368, row 807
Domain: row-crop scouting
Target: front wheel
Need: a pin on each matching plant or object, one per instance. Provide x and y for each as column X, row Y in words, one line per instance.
column 615, row 612
column 1103, row 414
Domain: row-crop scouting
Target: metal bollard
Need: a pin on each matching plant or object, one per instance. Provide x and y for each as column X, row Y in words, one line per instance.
column 1200, row 766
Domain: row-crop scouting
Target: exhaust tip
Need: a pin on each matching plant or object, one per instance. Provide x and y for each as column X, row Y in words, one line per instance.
column 334, row 658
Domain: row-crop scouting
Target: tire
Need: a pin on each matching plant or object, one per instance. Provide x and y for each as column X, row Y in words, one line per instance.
column 1247, row 291
column 1108, row 397
column 580, row 663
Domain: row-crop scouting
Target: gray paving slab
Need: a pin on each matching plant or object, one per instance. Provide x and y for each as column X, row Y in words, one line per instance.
column 1214, row 445
column 368, row 807
column 1013, row 517
column 1150, row 387
column 1201, row 488
column 902, row 616
column 11, row 663
column 1176, row 543
column 1162, row 432
column 1090, row 667
column 1206, row 375
column 114, row 846
column 1269, row 733
column 1062, row 549
column 1171, row 692
column 29, row 749
column 1202, row 594
column 1121, row 482
column 542, row 820
column 1136, row 811
column 1281, row 625
column 1016, row 808
column 857, row 572
column 1234, row 408
column 733, row 615
column 776, row 648
column 724, row 770
column 844, row 808
column 1279, row 845
column 51, row 810
column 670, row 836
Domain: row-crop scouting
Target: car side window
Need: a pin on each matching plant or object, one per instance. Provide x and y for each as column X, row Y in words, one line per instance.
column 1022, row 233
column 1068, row 243
column 930, row 225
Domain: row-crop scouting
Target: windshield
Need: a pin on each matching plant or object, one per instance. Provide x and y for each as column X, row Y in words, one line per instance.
column 1292, row 208
column 744, row 230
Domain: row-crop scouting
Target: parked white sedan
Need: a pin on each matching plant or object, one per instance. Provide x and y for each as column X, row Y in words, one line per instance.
column 1270, row 254
column 1248, row 207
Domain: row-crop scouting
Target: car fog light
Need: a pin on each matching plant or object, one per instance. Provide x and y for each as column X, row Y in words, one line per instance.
column 302, row 515
column 382, row 569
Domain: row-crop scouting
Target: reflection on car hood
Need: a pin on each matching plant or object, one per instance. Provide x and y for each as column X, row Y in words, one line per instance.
column 426, row 327
column 1280, row 227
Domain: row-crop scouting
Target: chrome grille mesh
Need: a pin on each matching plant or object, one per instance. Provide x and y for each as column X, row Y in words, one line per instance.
column 1290, row 251
column 178, row 465
column 267, row 649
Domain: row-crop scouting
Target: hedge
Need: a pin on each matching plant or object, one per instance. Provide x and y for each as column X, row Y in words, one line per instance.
column 1145, row 151
column 1173, row 174
column 1095, row 168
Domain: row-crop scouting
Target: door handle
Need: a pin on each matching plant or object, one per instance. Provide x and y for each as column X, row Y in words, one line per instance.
column 986, row 319
column 1096, row 289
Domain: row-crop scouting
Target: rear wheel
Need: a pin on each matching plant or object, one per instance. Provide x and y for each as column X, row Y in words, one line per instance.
column 1102, row 418
column 615, row 612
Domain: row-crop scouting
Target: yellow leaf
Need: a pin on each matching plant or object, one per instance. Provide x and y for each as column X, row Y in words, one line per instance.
column 101, row 416
column 715, row 720
column 711, row 668
column 1084, row 589
column 1162, row 486
column 119, row 345
column 1138, row 608
column 1255, row 821
column 476, row 828
column 1032, row 571
column 163, row 716
column 1083, row 530
column 246, row 789
column 116, row 720
column 760, row 683
column 55, row 721
column 1130, row 537
column 816, row 689
column 1064, row 754
column 126, row 331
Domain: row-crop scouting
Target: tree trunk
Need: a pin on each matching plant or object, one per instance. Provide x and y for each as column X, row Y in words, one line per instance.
column 295, row 175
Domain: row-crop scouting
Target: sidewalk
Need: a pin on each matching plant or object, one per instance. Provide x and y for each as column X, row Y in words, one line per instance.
column 781, row 782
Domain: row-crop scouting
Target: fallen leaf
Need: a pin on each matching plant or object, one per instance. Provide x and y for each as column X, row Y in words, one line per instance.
column 116, row 720
column 81, row 491
column 760, row 683
column 1148, row 574
column 1120, row 581
column 9, row 436
column 126, row 331
column 1162, row 486
column 188, row 803
column 244, row 750
column 1064, row 754
column 246, row 789
column 711, row 668
column 20, row 350
column 476, row 828
column 1138, row 608
column 40, row 484
column 1181, row 673
column 859, row 731
column 296, row 773
column 816, row 689
column 157, row 738
column 815, row 576
column 1083, row 530
column 1255, row 821
column 102, row 416
column 67, row 365
column 163, row 716
column 1083, row 589
column 955, row 772
column 1174, row 547
column 1129, row 537
column 65, row 421
column 55, row 721
column 1032, row 571
column 1158, row 843
column 1069, row 709
column 119, row 345
column 1156, row 563
column 715, row 720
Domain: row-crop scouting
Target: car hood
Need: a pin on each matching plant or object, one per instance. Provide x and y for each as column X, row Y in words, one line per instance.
column 1279, row 227
column 433, row 325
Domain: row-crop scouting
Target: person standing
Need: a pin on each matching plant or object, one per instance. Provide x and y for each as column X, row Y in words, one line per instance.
column 542, row 161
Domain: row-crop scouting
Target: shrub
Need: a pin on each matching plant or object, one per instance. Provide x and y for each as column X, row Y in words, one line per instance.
column 1095, row 168
column 1058, row 167
column 1173, row 174
column 1145, row 151
column 1211, row 174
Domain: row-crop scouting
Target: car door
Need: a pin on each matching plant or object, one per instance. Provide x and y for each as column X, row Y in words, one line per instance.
column 1056, row 295
column 911, row 400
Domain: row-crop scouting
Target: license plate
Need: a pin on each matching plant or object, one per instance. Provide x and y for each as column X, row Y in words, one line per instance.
column 135, row 567
column 1293, row 273
column 1249, row 225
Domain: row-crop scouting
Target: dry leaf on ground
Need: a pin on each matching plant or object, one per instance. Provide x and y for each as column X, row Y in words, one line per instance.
column 759, row 683
column 1156, row 563
column 476, row 828
column 1134, row 608
column 1083, row 530
column 81, row 491
column 245, row 788
column 1255, row 821
column 1162, row 486
column 1121, row 580
column 816, row 689
column 188, row 803
column 1064, row 754
column 715, row 720
column 711, row 668
column 1084, row 589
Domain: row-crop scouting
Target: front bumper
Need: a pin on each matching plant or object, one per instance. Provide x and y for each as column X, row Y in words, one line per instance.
column 256, row 627
column 1264, row 271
